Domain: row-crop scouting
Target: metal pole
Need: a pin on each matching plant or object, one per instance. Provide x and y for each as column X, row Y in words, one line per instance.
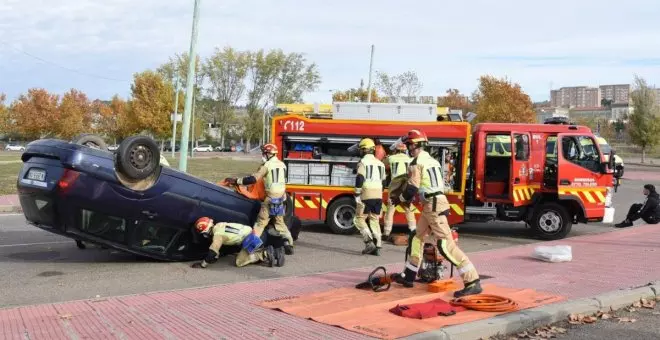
column 183, row 155
column 192, row 128
column 176, row 113
column 371, row 64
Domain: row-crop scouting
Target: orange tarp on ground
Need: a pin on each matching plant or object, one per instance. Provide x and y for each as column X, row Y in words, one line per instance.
column 367, row 312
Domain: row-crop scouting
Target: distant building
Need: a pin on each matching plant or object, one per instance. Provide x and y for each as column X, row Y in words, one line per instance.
column 543, row 113
column 575, row 97
column 596, row 112
column 618, row 94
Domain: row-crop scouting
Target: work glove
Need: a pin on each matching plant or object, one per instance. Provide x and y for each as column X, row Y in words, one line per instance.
column 231, row 180
column 357, row 199
column 396, row 200
column 196, row 265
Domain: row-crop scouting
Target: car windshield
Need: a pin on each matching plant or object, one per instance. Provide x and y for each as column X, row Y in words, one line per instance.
column 605, row 148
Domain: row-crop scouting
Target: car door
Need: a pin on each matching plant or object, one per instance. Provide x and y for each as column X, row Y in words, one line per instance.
column 520, row 192
column 580, row 175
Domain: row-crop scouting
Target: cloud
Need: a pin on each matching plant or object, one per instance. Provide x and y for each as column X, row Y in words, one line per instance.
column 449, row 44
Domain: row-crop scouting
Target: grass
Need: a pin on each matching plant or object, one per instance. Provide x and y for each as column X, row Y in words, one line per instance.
column 210, row 169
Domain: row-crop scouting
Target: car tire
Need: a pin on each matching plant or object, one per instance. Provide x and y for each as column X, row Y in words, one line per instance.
column 551, row 221
column 91, row 140
column 137, row 157
column 340, row 216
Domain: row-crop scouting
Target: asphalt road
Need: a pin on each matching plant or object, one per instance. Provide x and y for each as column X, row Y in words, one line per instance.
column 40, row 267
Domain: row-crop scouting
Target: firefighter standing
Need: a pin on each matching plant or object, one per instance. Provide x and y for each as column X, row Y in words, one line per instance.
column 232, row 234
column 274, row 173
column 425, row 180
column 369, row 196
column 398, row 163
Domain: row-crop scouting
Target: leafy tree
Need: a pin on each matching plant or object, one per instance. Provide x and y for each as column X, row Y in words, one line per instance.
column 356, row 95
column 405, row 84
column 75, row 114
column 177, row 66
column 115, row 120
column 227, row 71
column 455, row 100
column 36, row 114
column 152, row 103
column 6, row 126
column 644, row 124
column 499, row 100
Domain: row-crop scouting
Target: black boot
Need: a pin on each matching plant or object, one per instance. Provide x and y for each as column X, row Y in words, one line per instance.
column 407, row 278
column 288, row 248
column 624, row 224
column 376, row 252
column 369, row 247
column 470, row 288
column 279, row 256
column 270, row 256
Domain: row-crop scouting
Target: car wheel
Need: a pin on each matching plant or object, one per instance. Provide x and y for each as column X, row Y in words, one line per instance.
column 340, row 216
column 551, row 221
column 137, row 157
column 91, row 140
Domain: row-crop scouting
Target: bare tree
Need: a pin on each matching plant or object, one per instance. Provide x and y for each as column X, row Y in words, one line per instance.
column 406, row 85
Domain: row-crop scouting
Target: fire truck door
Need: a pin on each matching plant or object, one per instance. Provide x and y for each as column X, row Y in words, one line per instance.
column 520, row 192
column 579, row 173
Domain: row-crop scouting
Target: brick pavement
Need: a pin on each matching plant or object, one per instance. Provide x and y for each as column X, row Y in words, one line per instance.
column 601, row 263
column 10, row 200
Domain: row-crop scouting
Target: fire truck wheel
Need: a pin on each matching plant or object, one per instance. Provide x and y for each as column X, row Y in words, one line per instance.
column 340, row 216
column 551, row 221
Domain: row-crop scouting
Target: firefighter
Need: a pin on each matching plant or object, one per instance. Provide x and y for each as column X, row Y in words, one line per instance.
column 398, row 163
column 274, row 173
column 649, row 211
column 233, row 234
column 425, row 180
column 369, row 196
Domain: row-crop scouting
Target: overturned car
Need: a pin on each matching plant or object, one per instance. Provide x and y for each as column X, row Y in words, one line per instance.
column 129, row 200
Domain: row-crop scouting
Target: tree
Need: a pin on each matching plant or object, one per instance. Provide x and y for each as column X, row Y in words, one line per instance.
column 75, row 114
column 114, row 119
column 455, row 100
column 36, row 114
column 406, row 85
column 227, row 71
column 177, row 66
column 356, row 95
column 275, row 77
column 644, row 124
column 152, row 103
column 5, row 119
column 499, row 100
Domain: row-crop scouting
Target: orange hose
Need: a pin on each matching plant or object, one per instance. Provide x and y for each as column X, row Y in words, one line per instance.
column 486, row 303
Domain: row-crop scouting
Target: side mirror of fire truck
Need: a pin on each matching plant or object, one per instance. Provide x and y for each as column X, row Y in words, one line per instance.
column 610, row 161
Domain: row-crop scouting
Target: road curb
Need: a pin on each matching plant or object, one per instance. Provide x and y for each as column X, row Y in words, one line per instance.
column 10, row 209
column 644, row 164
column 512, row 323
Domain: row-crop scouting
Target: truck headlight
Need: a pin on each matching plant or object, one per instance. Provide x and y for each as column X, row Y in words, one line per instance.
column 608, row 197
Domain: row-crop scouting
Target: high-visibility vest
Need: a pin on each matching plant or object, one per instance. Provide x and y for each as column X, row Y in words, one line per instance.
column 374, row 172
column 432, row 181
column 399, row 164
column 275, row 179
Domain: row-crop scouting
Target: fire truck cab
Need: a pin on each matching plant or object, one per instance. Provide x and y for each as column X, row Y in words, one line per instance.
column 541, row 174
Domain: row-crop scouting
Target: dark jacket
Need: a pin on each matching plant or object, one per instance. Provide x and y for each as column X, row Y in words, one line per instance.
column 650, row 210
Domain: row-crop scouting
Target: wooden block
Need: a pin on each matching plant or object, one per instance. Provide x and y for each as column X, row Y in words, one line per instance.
column 442, row 286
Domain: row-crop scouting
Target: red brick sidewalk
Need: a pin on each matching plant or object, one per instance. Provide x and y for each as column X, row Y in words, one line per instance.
column 11, row 200
column 601, row 263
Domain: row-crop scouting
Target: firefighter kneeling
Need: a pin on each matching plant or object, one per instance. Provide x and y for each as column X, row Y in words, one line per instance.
column 425, row 180
column 253, row 249
column 274, row 173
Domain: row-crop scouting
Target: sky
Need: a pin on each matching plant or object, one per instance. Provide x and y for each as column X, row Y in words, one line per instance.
column 97, row 45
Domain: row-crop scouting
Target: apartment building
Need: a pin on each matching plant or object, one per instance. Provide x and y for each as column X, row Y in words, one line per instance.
column 575, row 96
column 618, row 94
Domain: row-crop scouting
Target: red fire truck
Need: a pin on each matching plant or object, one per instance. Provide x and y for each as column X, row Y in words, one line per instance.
column 546, row 175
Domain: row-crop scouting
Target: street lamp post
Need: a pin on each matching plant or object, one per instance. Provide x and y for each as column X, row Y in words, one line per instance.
column 192, row 56
column 176, row 114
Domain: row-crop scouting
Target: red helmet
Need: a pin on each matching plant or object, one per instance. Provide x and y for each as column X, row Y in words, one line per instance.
column 203, row 225
column 414, row 137
column 269, row 148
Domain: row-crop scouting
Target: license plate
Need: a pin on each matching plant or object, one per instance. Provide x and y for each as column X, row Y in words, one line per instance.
column 36, row 174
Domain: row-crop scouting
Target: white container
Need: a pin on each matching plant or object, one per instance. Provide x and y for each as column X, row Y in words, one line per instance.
column 319, row 169
column 338, row 170
column 297, row 179
column 343, row 181
column 298, row 169
column 385, row 111
column 319, row 180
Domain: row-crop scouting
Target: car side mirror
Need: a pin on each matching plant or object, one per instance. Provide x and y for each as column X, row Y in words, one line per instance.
column 611, row 162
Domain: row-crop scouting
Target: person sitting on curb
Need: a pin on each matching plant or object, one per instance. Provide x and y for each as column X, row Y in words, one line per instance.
column 649, row 211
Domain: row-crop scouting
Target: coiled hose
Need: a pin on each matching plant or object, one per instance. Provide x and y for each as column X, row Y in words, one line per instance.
column 486, row 303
